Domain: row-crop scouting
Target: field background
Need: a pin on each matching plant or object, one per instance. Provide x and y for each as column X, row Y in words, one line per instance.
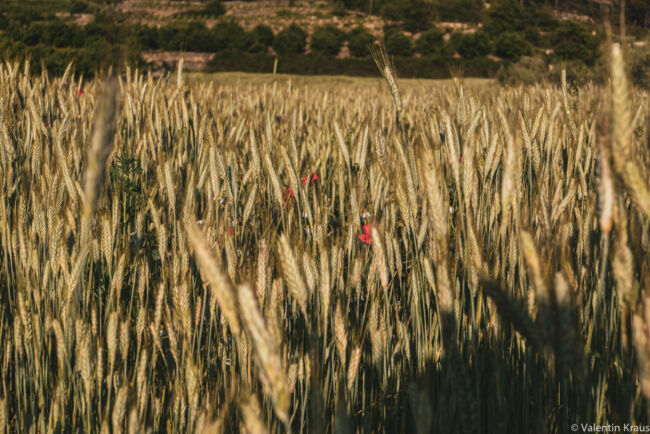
column 515, row 41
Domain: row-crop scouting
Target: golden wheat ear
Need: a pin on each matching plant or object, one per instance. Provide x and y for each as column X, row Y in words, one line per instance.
column 101, row 147
column 387, row 68
column 220, row 284
column 623, row 152
column 266, row 351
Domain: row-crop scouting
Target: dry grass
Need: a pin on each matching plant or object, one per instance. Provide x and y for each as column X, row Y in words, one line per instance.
column 448, row 271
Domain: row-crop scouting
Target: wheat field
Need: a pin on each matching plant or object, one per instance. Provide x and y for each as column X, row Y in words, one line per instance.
column 184, row 255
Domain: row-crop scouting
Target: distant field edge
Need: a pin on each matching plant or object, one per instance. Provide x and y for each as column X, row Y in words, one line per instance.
column 322, row 65
column 257, row 78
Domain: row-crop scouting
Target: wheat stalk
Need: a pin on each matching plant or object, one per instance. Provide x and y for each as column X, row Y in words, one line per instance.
column 220, row 283
column 267, row 354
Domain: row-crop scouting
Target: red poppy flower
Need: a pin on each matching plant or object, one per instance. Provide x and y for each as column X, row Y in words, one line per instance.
column 80, row 91
column 288, row 196
column 313, row 178
column 365, row 236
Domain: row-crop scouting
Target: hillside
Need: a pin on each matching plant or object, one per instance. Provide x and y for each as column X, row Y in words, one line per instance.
column 316, row 36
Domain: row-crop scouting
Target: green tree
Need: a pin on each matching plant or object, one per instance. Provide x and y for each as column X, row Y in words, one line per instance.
column 291, row 40
column 415, row 15
column 147, row 36
column 78, row 7
column 533, row 35
column 574, row 41
column 471, row 45
column 418, row 15
column 392, row 11
column 398, row 44
column 430, row 42
column 229, row 35
column 193, row 36
column 513, row 16
column 327, row 39
column 511, row 46
column 460, row 10
column 264, row 35
column 639, row 61
column 214, row 8
column 358, row 41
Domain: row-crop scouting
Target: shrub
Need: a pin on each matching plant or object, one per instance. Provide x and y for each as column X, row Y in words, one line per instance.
column 574, row 41
column 511, row 46
column 472, row 45
column 230, row 35
column 263, row 35
column 24, row 14
column 639, row 61
column 430, row 42
column 511, row 16
column 338, row 9
column 261, row 38
column 392, row 11
column 53, row 33
column 353, row 4
column 147, row 36
column 578, row 73
column 327, row 39
column 11, row 49
column 78, row 7
column 246, row 42
column 543, row 19
column 527, row 71
column 533, row 35
column 416, row 15
column 214, row 8
column 317, row 64
column 506, row 16
column 471, row 11
column 398, row 44
column 358, row 41
column 368, row 6
column 191, row 36
column 168, row 37
column 286, row 13
column 291, row 40
column 256, row 46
